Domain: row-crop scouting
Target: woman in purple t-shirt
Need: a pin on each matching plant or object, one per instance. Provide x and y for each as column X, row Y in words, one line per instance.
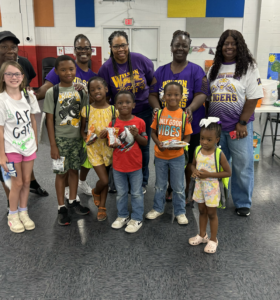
column 132, row 72
column 195, row 89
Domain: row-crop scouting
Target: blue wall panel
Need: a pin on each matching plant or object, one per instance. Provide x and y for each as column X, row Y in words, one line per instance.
column 85, row 13
column 225, row 8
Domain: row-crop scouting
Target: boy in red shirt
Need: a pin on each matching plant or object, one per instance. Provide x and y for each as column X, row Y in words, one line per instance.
column 127, row 163
column 169, row 127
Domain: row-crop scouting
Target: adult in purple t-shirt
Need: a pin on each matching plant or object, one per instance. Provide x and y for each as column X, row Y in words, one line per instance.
column 195, row 89
column 132, row 72
column 83, row 74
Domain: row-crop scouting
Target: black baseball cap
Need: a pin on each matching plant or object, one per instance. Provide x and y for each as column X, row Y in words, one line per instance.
column 8, row 34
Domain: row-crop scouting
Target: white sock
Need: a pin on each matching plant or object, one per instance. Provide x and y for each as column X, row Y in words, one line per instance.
column 71, row 201
column 59, row 206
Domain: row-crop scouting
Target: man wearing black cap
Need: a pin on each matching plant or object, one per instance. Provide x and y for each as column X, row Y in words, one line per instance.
column 9, row 51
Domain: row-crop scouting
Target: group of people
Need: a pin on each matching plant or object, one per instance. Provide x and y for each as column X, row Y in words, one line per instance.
column 125, row 105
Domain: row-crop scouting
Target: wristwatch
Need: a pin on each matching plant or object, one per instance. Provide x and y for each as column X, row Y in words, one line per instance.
column 244, row 123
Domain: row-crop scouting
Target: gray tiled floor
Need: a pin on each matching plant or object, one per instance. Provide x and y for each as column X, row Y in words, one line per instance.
column 89, row 260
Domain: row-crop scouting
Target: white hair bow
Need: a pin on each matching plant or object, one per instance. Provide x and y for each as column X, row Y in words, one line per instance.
column 207, row 122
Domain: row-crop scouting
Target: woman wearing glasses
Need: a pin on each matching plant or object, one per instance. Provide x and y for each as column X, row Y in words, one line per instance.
column 195, row 90
column 83, row 74
column 132, row 72
column 82, row 51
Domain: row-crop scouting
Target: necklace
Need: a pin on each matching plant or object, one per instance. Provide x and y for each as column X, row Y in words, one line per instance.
column 123, row 71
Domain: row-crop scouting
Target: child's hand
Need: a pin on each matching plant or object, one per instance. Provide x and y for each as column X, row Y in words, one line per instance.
column 134, row 131
column 204, row 174
column 103, row 134
column 196, row 173
column 54, row 152
column 115, row 145
column 160, row 146
column 3, row 161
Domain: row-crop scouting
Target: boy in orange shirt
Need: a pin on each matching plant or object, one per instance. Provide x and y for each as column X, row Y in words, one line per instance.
column 170, row 127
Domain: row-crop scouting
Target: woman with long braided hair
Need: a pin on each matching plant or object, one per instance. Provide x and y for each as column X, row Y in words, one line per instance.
column 132, row 72
column 236, row 87
column 195, row 90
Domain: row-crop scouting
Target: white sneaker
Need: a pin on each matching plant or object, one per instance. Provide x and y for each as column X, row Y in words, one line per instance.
column 133, row 226
column 15, row 223
column 120, row 222
column 153, row 214
column 26, row 221
column 182, row 219
column 67, row 193
column 86, row 189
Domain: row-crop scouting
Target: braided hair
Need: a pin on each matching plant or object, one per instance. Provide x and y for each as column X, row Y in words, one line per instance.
column 213, row 126
column 81, row 36
column 115, row 67
column 178, row 33
column 244, row 58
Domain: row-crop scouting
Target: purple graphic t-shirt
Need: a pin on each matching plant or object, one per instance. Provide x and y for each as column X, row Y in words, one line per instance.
column 81, row 76
column 191, row 78
column 143, row 71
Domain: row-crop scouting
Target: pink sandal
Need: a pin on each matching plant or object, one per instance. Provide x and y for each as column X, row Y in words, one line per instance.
column 211, row 247
column 194, row 241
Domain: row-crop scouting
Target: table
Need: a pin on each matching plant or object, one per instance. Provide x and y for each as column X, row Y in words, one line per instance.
column 270, row 109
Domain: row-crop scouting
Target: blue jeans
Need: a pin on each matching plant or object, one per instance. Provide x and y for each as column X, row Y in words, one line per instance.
column 242, row 179
column 177, row 177
column 137, row 197
column 147, row 117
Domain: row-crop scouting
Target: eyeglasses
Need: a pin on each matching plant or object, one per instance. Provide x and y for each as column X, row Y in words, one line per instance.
column 11, row 75
column 6, row 48
column 118, row 47
column 82, row 48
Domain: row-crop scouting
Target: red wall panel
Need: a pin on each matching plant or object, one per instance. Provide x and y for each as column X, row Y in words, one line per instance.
column 35, row 54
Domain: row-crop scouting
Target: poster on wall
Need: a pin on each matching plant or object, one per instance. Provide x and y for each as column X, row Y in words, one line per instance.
column 69, row 50
column 208, row 64
column 274, row 67
column 60, row 51
column 93, row 51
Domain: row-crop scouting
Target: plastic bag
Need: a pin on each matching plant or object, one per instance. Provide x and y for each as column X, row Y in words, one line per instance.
column 91, row 136
column 174, row 144
column 58, row 164
column 12, row 171
column 112, row 135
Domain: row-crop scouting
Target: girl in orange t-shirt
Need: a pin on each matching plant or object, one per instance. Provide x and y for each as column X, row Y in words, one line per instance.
column 170, row 127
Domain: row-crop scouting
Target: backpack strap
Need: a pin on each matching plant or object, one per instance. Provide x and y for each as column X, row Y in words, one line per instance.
column 113, row 115
column 87, row 114
column 26, row 95
column 55, row 99
column 183, row 124
column 158, row 116
column 218, row 152
column 196, row 151
column 81, row 94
